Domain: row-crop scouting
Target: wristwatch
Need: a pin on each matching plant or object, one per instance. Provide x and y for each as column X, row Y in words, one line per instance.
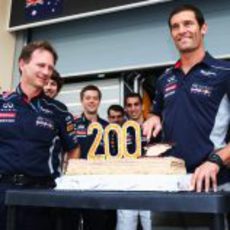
column 215, row 158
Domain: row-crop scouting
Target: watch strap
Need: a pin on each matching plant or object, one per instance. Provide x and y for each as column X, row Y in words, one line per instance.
column 215, row 158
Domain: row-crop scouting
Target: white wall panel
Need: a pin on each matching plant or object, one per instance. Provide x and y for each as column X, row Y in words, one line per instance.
column 129, row 39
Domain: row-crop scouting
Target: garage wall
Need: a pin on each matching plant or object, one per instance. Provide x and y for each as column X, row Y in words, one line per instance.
column 130, row 39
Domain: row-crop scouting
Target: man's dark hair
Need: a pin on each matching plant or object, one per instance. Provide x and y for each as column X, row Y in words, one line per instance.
column 90, row 87
column 117, row 108
column 136, row 95
column 57, row 78
column 198, row 14
column 28, row 50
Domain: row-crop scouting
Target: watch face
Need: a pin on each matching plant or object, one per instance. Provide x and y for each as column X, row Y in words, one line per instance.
column 213, row 157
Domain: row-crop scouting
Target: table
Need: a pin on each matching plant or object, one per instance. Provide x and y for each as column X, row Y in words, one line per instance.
column 215, row 203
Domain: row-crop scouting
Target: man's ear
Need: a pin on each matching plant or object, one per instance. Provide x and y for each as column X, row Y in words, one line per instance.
column 204, row 29
column 21, row 63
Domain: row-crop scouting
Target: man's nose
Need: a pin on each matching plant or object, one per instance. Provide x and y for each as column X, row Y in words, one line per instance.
column 181, row 29
column 133, row 106
column 91, row 100
column 46, row 70
column 48, row 87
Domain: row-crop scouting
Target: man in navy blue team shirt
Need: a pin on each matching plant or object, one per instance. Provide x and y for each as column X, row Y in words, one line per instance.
column 29, row 123
column 116, row 115
column 90, row 97
column 134, row 111
column 51, row 89
column 128, row 219
column 192, row 103
column 70, row 218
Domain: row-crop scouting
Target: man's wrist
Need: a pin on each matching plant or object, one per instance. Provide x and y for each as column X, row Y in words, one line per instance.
column 216, row 159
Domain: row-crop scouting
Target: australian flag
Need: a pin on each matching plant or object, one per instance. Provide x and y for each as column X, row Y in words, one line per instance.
column 42, row 9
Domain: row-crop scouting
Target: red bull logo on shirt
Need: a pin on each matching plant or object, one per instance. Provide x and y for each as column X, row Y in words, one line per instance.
column 201, row 90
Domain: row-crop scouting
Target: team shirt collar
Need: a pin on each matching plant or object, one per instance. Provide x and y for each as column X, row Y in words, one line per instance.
column 207, row 60
column 88, row 121
column 20, row 92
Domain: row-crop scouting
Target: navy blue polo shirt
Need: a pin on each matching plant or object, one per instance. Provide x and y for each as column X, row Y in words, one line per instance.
column 85, row 140
column 131, row 141
column 195, row 109
column 58, row 154
column 29, row 131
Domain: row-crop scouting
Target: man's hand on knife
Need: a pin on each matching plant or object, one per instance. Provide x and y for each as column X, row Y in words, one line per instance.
column 152, row 127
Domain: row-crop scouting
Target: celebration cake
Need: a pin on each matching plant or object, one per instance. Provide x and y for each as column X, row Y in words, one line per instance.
column 142, row 174
column 125, row 171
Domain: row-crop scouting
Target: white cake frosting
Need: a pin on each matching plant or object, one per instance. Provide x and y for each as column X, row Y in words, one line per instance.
column 143, row 174
column 125, row 182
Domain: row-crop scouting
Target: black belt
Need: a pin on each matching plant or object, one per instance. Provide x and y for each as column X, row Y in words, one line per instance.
column 24, row 180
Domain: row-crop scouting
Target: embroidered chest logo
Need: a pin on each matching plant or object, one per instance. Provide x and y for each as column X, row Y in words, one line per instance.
column 7, row 107
column 207, row 73
column 81, row 130
column 201, row 89
column 7, row 113
column 170, row 89
column 44, row 123
column 172, row 79
column 171, row 86
column 7, row 117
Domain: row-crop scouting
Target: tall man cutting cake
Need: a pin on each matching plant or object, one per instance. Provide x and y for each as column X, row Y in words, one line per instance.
column 192, row 103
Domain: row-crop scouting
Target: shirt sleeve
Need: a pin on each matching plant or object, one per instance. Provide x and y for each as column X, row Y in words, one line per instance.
column 158, row 101
column 67, row 131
